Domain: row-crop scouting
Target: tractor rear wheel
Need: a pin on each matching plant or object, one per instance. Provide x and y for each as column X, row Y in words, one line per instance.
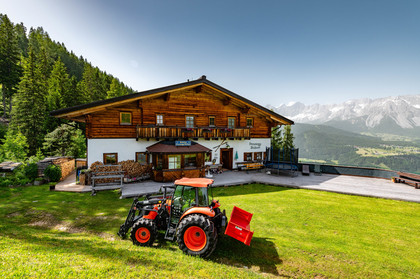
column 143, row 232
column 196, row 235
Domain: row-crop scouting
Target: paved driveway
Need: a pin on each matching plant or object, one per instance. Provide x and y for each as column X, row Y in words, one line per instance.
column 353, row 185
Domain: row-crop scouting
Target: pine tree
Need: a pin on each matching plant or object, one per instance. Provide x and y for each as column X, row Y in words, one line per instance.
column 23, row 41
column 43, row 63
column 91, row 85
column 288, row 138
column 58, row 86
column 10, row 70
column 115, row 89
column 38, row 39
column 65, row 140
column 29, row 110
column 276, row 138
column 72, row 96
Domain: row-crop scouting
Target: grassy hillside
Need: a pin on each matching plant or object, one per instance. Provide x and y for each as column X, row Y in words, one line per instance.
column 335, row 146
column 298, row 234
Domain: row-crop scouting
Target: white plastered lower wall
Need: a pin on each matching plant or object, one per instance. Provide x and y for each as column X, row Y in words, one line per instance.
column 127, row 148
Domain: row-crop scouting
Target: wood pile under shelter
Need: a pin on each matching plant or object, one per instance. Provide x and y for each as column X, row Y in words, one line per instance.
column 66, row 164
column 133, row 171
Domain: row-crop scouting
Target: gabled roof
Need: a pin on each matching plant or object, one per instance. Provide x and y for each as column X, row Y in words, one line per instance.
column 81, row 110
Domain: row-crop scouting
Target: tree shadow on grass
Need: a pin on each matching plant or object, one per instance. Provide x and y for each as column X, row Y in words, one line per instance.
column 262, row 254
column 64, row 243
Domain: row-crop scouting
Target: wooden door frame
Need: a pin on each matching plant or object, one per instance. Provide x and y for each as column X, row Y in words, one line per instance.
column 230, row 150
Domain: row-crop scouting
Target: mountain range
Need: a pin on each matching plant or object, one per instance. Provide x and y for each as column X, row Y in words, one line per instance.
column 391, row 115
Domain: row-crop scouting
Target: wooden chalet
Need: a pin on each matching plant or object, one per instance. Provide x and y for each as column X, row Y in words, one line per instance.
column 181, row 129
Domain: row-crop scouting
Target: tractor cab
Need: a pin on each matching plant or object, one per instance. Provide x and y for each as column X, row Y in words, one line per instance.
column 189, row 193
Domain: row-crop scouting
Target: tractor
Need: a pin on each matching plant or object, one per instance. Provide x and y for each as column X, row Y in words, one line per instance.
column 187, row 215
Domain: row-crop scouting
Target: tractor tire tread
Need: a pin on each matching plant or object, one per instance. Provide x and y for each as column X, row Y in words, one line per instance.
column 144, row 223
column 205, row 224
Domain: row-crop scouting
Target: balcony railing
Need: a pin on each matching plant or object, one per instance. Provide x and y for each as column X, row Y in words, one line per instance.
column 176, row 132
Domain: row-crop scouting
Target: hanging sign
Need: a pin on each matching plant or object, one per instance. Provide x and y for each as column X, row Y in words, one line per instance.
column 182, row 143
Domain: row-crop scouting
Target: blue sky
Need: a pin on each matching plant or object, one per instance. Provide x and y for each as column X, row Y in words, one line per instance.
column 272, row 52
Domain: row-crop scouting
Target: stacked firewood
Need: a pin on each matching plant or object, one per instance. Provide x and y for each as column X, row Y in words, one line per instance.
column 67, row 167
column 93, row 166
column 134, row 169
column 108, row 168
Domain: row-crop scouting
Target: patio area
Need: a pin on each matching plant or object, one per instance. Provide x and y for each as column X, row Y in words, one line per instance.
column 344, row 184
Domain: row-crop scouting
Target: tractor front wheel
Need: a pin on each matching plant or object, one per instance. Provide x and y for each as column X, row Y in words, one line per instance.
column 196, row 235
column 143, row 232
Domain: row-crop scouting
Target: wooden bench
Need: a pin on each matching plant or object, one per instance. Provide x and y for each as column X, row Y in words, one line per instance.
column 405, row 180
column 250, row 166
column 101, row 174
column 409, row 179
column 254, row 166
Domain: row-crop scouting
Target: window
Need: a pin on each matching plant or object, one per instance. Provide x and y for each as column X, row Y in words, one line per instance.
column 249, row 122
column 183, row 198
column 203, row 197
column 190, row 160
column 231, row 122
column 207, row 157
column 125, row 118
column 212, row 121
column 142, row 158
column 159, row 119
column 248, row 156
column 258, row 156
column 189, row 121
column 110, row 158
column 174, row 162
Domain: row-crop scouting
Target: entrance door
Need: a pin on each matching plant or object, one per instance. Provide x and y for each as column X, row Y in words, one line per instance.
column 227, row 157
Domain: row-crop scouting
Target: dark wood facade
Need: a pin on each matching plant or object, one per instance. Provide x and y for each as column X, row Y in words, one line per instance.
column 193, row 110
column 174, row 109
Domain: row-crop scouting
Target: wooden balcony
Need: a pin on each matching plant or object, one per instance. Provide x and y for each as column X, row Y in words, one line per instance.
column 176, row 132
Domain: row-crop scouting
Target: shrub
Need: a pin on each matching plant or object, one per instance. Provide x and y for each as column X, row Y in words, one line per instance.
column 5, row 182
column 36, row 158
column 22, row 181
column 15, row 147
column 31, row 171
column 53, row 173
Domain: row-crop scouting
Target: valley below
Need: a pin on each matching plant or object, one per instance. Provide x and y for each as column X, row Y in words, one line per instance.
column 328, row 145
column 380, row 133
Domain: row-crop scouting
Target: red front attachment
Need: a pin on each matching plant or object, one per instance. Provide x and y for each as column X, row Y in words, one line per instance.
column 238, row 226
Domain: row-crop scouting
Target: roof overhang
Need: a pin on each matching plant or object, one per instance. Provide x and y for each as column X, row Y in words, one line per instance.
column 78, row 113
column 170, row 147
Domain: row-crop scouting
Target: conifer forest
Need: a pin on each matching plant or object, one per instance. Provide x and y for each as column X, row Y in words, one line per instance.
column 39, row 75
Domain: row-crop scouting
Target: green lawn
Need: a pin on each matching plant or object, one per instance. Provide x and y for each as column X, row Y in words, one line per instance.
column 298, row 233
